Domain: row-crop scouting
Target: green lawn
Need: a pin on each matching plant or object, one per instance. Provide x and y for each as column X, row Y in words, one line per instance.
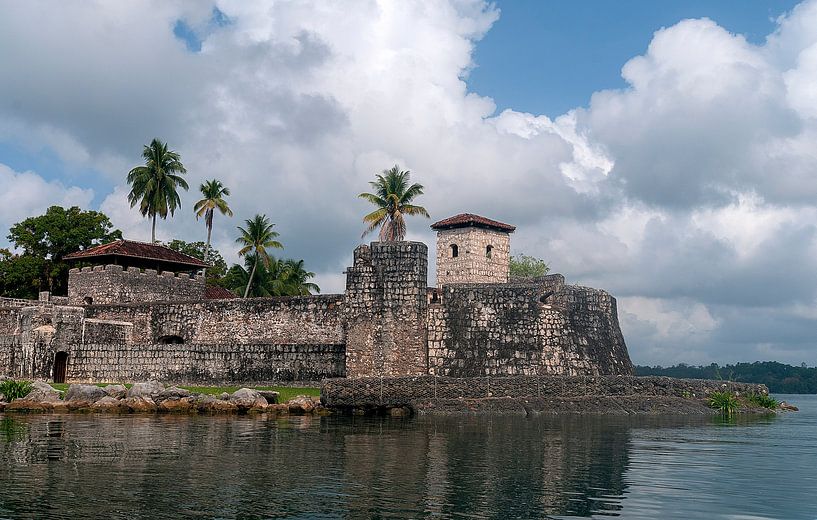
column 286, row 392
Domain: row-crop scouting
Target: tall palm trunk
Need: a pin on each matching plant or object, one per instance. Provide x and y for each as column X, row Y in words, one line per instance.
column 153, row 230
column 207, row 247
column 252, row 273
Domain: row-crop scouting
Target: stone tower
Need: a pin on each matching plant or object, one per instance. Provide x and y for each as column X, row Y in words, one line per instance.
column 472, row 249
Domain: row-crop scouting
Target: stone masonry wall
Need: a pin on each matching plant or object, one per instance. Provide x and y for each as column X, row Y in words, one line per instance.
column 112, row 284
column 409, row 391
column 385, row 310
column 472, row 264
column 205, row 364
column 535, row 328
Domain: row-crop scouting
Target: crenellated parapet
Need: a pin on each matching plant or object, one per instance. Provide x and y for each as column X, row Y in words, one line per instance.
column 105, row 284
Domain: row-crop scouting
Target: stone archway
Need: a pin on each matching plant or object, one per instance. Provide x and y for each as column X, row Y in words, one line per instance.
column 60, row 366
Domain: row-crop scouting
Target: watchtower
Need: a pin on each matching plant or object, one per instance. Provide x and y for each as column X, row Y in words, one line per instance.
column 472, row 249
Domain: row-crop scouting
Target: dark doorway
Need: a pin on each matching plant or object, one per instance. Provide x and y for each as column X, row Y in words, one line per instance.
column 60, row 366
column 171, row 340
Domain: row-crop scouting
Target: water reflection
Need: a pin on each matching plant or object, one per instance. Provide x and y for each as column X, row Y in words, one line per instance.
column 331, row 467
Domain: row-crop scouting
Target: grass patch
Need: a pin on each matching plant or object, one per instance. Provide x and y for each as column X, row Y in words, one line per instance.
column 763, row 400
column 286, row 392
column 725, row 402
column 12, row 389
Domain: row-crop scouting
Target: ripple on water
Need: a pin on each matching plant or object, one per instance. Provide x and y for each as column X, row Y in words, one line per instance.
column 460, row 467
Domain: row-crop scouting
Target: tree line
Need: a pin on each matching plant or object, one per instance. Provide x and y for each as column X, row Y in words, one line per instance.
column 779, row 377
column 44, row 240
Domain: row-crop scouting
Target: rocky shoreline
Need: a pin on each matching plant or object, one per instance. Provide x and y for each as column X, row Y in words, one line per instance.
column 154, row 397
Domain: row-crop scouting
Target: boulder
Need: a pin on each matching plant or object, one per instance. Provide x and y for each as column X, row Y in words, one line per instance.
column 146, row 389
column 270, row 395
column 115, row 391
column 108, row 404
column 177, row 405
column 247, row 399
column 42, row 392
column 224, row 396
column 279, row 409
column 173, row 392
column 209, row 404
column 139, row 404
column 84, row 393
column 301, row 404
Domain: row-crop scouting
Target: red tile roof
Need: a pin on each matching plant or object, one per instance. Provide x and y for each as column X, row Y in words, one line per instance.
column 133, row 249
column 218, row 293
column 469, row 219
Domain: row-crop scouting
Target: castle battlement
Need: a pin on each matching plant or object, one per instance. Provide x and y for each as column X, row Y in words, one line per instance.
column 106, row 284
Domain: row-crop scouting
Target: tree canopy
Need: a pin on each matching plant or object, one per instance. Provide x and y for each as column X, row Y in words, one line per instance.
column 276, row 278
column 393, row 196
column 213, row 192
column 204, row 253
column 154, row 186
column 524, row 266
column 44, row 240
column 255, row 239
column 779, row 377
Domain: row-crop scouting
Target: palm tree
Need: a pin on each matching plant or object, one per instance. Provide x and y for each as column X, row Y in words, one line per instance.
column 154, row 185
column 214, row 193
column 256, row 238
column 392, row 196
column 295, row 279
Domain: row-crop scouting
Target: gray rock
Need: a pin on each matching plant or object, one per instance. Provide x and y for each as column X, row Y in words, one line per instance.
column 247, row 399
column 115, row 391
column 42, row 392
column 108, row 404
column 224, row 396
column 86, row 393
column 147, row 389
column 301, row 404
column 172, row 392
column 139, row 403
column 270, row 395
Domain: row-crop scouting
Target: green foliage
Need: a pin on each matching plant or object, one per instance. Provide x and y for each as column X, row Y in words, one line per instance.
column 277, row 278
column 725, row 402
column 763, row 400
column 12, row 389
column 524, row 266
column 285, row 392
column 779, row 377
column 213, row 192
column 392, row 196
column 155, row 185
column 197, row 250
column 255, row 239
column 44, row 241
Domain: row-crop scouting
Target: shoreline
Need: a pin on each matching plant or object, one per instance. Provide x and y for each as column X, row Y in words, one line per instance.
column 407, row 396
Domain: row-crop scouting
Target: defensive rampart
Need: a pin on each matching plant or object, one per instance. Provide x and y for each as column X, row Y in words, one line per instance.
column 113, row 284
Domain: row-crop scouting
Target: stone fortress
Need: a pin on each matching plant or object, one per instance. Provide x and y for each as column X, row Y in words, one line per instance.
column 142, row 313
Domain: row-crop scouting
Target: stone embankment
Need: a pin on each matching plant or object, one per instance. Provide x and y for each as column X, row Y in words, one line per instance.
column 609, row 395
column 154, row 397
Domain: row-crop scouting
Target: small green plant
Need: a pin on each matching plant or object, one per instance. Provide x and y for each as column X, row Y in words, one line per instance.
column 763, row 400
column 12, row 389
column 725, row 402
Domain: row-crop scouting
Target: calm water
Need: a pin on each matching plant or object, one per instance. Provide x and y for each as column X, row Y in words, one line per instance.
column 85, row 466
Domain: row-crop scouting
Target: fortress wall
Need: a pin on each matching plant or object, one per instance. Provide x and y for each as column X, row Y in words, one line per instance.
column 308, row 320
column 113, row 284
column 9, row 352
column 205, row 364
column 8, row 319
column 530, row 328
column 385, row 310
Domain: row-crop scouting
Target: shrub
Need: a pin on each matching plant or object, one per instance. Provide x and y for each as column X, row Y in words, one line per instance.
column 12, row 389
column 726, row 402
column 763, row 400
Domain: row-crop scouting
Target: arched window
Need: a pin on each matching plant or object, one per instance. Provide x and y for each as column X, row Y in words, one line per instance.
column 488, row 251
column 455, row 251
column 171, row 340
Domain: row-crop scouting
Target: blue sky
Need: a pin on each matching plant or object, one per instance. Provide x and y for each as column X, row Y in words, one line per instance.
column 547, row 57
column 662, row 150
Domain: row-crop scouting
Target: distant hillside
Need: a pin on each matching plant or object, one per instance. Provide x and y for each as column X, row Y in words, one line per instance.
column 780, row 378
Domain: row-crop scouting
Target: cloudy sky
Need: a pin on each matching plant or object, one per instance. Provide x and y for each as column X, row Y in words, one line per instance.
column 664, row 152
